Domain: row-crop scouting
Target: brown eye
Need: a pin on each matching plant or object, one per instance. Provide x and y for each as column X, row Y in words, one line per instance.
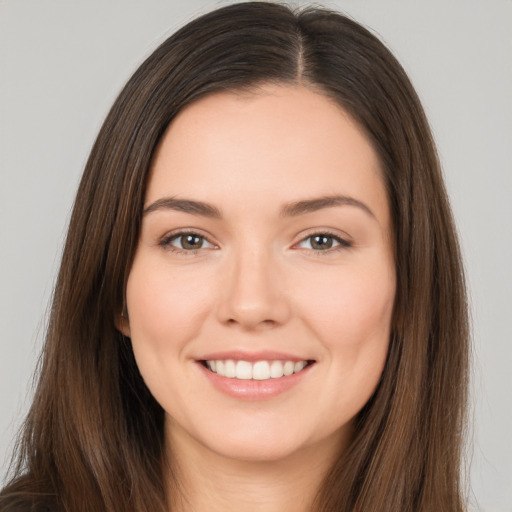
column 187, row 242
column 321, row 242
column 191, row 241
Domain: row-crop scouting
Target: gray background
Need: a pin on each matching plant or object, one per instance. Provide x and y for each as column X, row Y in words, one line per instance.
column 61, row 66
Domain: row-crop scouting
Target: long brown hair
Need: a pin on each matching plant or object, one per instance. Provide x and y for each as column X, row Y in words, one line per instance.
column 93, row 439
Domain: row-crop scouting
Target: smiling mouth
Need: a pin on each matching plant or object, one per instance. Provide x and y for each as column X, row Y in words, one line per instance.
column 257, row 370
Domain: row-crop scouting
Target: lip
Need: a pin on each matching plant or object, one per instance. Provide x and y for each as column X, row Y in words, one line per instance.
column 253, row 389
column 252, row 357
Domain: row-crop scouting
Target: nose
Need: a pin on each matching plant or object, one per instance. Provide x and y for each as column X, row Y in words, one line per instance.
column 254, row 296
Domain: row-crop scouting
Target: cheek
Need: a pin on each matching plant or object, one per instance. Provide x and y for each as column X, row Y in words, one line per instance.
column 353, row 322
column 166, row 309
column 350, row 310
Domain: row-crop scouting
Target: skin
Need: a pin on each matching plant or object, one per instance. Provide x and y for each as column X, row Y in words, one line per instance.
column 257, row 283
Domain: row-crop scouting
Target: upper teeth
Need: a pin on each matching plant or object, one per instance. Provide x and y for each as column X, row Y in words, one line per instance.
column 260, row 370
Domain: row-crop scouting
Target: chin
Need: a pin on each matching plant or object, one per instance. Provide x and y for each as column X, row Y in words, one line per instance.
column 258, row 450
column 255, row 440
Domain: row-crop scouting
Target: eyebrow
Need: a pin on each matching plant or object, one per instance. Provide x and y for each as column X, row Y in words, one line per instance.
column 313, row 205
column 184, row 205
column 288, row 210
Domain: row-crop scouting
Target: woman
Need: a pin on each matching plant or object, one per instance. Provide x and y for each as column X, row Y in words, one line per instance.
column 261, row 303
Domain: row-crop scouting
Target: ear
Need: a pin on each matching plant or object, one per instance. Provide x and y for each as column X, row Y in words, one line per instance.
column 122, row 323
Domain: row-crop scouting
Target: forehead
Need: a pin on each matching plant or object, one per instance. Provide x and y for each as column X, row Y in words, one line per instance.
column 279, row 143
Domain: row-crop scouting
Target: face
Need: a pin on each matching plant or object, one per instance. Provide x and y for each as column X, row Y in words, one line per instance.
column 260, row 297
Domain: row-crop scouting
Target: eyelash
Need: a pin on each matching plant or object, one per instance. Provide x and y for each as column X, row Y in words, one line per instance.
column 343, row 243
column 165, row 242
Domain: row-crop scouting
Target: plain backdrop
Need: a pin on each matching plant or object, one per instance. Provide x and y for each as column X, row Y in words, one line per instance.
column 63, row 62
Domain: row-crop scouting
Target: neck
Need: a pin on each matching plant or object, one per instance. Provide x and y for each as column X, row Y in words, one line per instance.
column 201, row 480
